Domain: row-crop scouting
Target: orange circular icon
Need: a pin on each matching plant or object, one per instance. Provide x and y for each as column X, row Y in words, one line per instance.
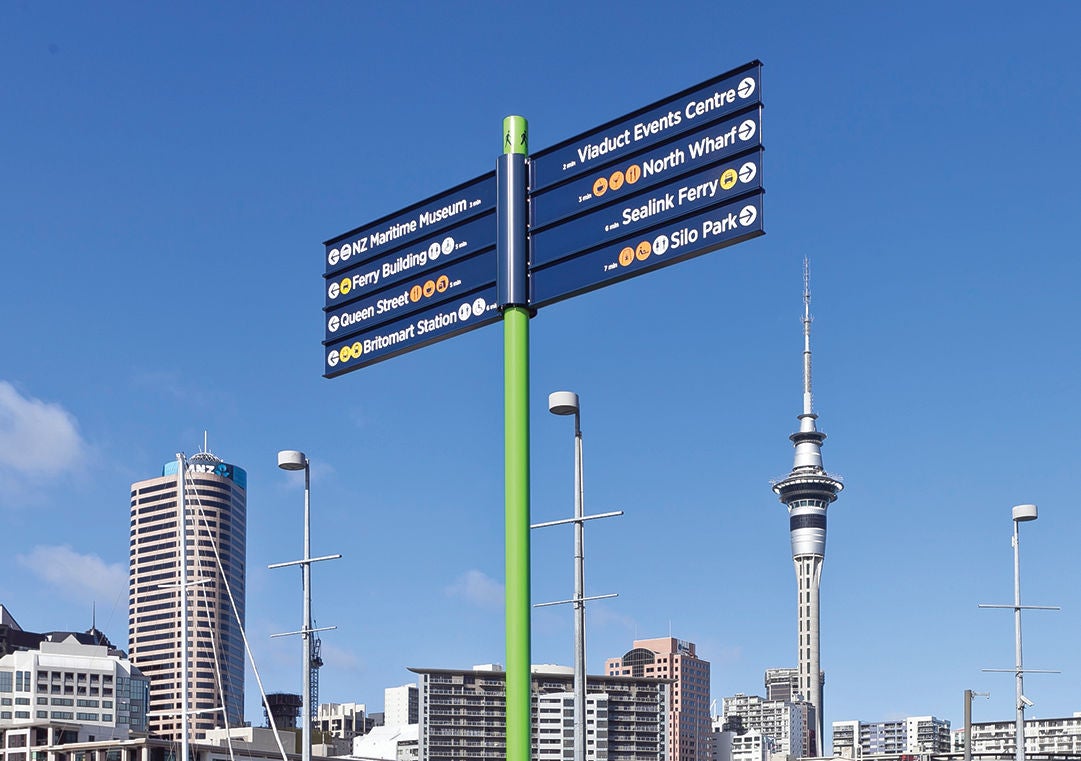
column 626, row 256
column 615, row 182
column 415, row 293
column 633, row 174
column 442, row 283
column 429, row 288
column 643, row 251
column 600, row 186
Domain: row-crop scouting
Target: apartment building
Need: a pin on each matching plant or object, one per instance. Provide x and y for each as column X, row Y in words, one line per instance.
column 462, row 715
column 688, row 675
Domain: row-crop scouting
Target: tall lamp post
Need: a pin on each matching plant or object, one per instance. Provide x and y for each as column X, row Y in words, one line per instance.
column 290, row 459
column 1021, row 514
column 566, row 403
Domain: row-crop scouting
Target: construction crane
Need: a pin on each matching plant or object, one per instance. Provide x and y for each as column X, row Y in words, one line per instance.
column 313, row 676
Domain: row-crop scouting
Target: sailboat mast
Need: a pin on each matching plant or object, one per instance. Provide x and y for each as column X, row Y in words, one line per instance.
column 182, row 527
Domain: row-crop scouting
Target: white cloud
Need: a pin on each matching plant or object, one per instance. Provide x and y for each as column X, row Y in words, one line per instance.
column 81, row 578
column 339, row 658
column 607, row 615
column 477, row 588
column 37, row 438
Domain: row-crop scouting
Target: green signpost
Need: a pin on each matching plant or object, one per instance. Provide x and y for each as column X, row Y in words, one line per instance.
column 516, row 449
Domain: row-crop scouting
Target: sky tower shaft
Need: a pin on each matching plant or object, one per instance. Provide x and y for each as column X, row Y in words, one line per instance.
column 807, row 491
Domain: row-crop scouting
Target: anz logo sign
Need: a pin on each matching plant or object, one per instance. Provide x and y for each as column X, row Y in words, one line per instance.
column 223, row 469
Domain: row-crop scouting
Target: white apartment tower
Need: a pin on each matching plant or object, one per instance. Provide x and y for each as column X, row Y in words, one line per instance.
column 783, row 722
column 400, row 705
column 215, row 541
column 554, row 726
column 807, row 491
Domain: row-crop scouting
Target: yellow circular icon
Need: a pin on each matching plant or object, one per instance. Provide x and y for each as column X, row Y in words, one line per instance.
column 345, row 285
column 728, row 178
column 415, row 293
column 633, row 174
column 626, row 256
column 343, row 354
column 643, row 251
column 358, row 349
column 442, row 283
column 600, row 186
column 615, row 182
column 429, row 288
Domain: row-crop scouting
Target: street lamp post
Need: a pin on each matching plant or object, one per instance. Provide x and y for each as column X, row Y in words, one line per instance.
column 1021, row 513
column 566, row 403
column 290, row 459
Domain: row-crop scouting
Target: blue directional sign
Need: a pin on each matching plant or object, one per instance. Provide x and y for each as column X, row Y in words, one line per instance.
column 431, row 287
column 684, row 195
column 669, row 244
column 421, row 220
column 707, row 145
column 668, row 182
column 437, row 323
column 686, row 111
column 426, row 254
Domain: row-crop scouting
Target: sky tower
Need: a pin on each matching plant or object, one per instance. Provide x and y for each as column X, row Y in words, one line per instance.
column 807, row 491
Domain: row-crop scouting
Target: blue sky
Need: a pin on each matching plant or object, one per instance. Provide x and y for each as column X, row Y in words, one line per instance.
column 169, row 175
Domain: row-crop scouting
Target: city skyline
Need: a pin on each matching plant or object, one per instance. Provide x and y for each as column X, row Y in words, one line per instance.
column 171, row 177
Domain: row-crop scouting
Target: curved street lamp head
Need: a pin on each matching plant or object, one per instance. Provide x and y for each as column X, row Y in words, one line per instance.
column 563, row 403
column 290, row 459
column 1024, row 513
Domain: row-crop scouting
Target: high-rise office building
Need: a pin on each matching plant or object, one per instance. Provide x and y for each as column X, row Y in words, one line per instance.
column 216, row 508
column 689, row 724
column 807, row 491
